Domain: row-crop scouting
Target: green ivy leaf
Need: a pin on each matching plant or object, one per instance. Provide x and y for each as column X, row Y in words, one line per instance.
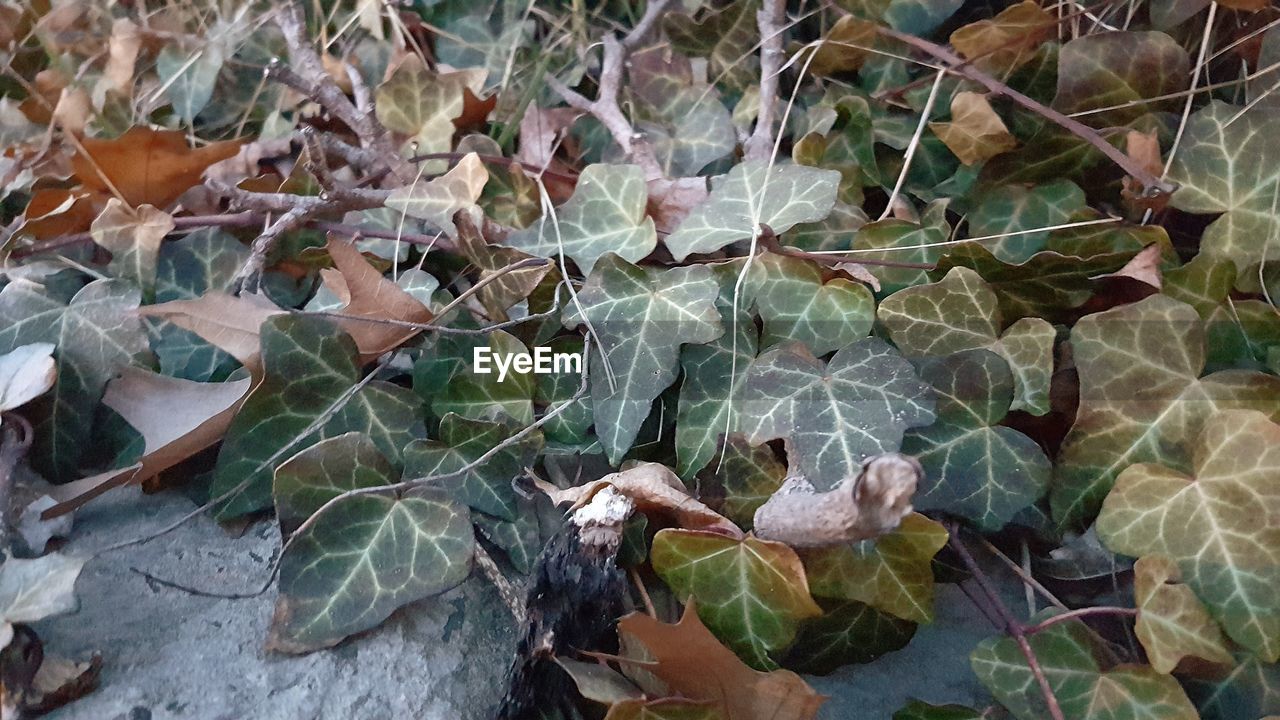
column 973, row 467
column 487, row 487
column 1227, row 164
column 961, row 312
column 1142, row 399
column 553, row 390
column 605, row 214
column 895, row 240
column 1046, row 285
column 741, row 479
column 751, row 593
column 519, row 539
column 919, row 17
column 1015, row 209
column 1248, row 690
column 1212, row 523
column 833, row 415
column 1102, row 70
column 478, row 396
column 308, row 366
column 799, row 302
column 848, row 632
column 1172, row 624
column 1071, row 657
column 755, row 192
column 892, row 573
column 641, row 317
column 713, row 376
column 189, row 74
column 318, row 474
column 362, row 559
column 438, row 200
column 723, row 35
column 94, row 335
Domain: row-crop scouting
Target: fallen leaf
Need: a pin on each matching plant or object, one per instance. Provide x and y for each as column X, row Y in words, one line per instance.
column 32, row 590
column 147, row 167
column 177, row 418
column 437, row 200
column 122, row 56
column 227, row 321
column 373, row 296
column 975, row 132
column 691, row 662
column 26, row 372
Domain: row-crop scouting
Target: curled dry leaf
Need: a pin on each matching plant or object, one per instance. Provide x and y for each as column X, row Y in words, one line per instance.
column 27, row 372
column 653, row 487
column 177, row 418
column 368, row 294
column 228, row 322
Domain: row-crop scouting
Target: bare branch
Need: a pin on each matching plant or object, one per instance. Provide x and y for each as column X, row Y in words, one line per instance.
column 653, row 12
column 771, row 21
column 862, row 507
column 956, row 65
column 605, row 109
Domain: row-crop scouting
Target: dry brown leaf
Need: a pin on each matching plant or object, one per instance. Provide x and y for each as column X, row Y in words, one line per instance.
column 540, row 128
column 845, row 46
column 371, row 295
column 147, row 167
column 691, row 662
column 671, row 201
column 177, row 418
column 1007, row 40
column 57, row 211
column 1145, row 149
column 1143, row 267
column 122, row 57
column 653, row 487
column 73, row 110
column 1249, row 5
column 226, row 321
column 975, row 132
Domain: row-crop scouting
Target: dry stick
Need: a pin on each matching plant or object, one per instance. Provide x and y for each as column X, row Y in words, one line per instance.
column 1023, row 575
column 770, row 21
column 643, row 591
column 1082, row 612
column 243, row 219
column 605, row 109
column 653, row 12
column 1011, row 624
column 956, row 65
column 494, row 574
column 15, row 439
column 915, row 143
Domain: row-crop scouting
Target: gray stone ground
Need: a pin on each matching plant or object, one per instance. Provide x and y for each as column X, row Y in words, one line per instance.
column 169, row 655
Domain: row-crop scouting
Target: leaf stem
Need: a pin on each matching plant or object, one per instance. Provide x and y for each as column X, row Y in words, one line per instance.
column 1079, row 613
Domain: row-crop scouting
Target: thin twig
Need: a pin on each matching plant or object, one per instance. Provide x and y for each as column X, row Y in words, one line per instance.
column 769, row 19
column 1022, row 574
column 605, row 109
column 1149, row 181
column 506, row 590
column 915, row 143
column 644, row 592
column 1011, row 624
column 1080, row 613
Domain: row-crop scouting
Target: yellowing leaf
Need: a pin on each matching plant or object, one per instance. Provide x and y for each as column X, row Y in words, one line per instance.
column 975, row 131
column 1007, row 40
column 437, row 200
column 133, row 237
column 892, row 573
column 750, row 592
column 1217, row 524
column 1172, row 624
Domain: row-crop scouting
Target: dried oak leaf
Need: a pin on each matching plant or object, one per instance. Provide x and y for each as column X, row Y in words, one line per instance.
column 689, row 660
column 151, row 167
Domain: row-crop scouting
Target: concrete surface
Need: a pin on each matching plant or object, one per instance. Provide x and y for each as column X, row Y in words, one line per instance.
column 170, row 655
